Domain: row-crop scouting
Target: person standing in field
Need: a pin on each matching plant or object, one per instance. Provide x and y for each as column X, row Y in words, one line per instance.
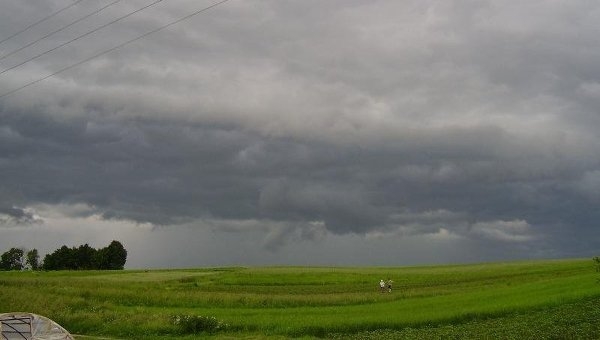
column 382, row 285
column 389, row 285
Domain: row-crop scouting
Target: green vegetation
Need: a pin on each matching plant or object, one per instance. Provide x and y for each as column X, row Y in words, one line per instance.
column 498, row 300
column 83, row 257
column 12, row 259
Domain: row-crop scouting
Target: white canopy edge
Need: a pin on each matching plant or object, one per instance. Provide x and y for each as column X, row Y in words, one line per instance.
column 29, row 326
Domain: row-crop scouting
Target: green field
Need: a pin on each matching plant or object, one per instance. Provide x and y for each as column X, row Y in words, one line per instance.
column 534, row 299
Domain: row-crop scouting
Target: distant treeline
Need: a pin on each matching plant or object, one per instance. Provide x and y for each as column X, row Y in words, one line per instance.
column 83, row 257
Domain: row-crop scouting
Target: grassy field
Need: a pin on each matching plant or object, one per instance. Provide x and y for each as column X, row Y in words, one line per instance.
column 513, row 300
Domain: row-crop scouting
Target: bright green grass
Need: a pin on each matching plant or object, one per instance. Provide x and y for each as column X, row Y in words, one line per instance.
column 297, row 301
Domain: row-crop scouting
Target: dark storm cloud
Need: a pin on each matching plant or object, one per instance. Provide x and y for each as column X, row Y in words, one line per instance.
column 474, row 120
column 165, row 172
column 343, row 209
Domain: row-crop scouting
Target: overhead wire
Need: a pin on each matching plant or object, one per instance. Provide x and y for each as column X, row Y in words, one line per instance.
column 40, row 21
column 81, row 36
column 114, row 48
column 59, row 30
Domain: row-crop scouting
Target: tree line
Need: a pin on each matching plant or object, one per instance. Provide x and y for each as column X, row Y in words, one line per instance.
column 84, row 257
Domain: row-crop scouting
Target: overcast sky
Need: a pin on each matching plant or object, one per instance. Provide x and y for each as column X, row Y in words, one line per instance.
column 304, row 132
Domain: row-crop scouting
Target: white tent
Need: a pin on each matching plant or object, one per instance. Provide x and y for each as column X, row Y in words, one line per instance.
column 27, row 326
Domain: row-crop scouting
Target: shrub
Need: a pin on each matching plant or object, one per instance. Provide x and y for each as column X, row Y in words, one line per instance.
column 193, row 324
column 597, row 265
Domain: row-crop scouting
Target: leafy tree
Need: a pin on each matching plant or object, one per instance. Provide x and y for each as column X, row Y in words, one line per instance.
column 60, row 259
column 112, row 257
column 12, row 259
column 86, row 257
column 32, row 259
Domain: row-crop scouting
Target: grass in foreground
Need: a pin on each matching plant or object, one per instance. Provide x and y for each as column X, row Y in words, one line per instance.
column 278, row 302
column 576, row 320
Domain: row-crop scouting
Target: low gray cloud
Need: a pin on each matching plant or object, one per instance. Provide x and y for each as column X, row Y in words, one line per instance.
column 10, row 216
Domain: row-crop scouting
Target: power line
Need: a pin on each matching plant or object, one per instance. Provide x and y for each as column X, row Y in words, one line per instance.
column 59, row 30
column 115, row 47
column 41, row 20
column 81, row 36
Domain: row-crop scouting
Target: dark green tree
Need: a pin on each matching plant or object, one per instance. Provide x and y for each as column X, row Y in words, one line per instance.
column 61, row 259
column 12, row 259
column 32, row 259
column 112, row 257
column 86, row 257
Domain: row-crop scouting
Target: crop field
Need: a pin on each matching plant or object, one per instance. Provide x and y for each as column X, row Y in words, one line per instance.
column 511, row 300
